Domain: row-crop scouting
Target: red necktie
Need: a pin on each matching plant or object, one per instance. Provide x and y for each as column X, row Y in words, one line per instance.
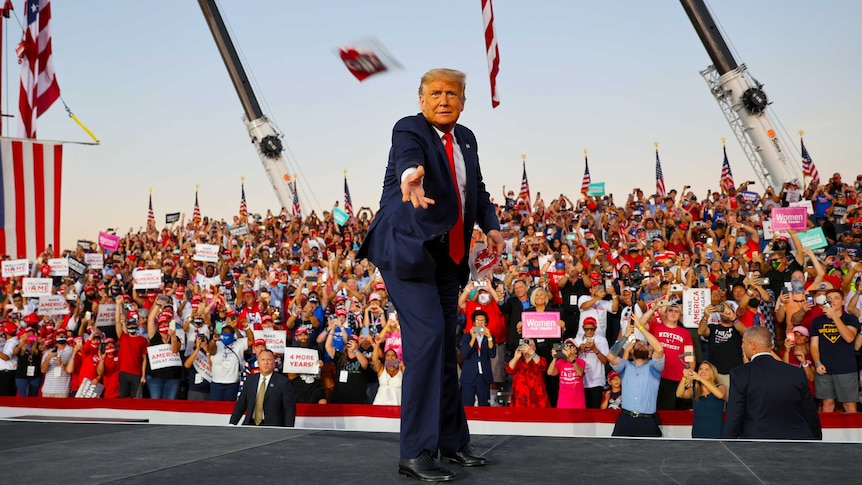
column 456, row 234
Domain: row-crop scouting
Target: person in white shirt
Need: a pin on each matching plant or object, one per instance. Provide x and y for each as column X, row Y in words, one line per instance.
column 227, row 363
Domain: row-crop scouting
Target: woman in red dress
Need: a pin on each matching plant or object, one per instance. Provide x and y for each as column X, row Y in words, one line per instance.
column 528, row 383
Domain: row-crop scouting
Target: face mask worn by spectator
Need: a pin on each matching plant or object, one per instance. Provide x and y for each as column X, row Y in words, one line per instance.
column 227, row 338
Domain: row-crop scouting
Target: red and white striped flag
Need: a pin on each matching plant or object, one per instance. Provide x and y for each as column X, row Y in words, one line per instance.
column 524, row 194
column 726, row 182
column 585, row 183
column 296, row 210
column 808, row 168
column 39, row 88
column 30, row 183
column 196, row 216
column 243, row 209
column 151, row 216
column 492, row 49
column 659, row 177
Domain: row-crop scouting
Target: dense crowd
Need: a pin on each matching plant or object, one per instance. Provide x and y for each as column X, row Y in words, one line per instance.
column 596, row 263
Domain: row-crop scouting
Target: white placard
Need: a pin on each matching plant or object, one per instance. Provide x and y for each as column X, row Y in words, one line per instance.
column 53, row 305
column 36, row 287
column 59, row 266
column 106, row 315
column 300, row 361
column 694, row 302
column 95, row 260
column 809, row 207
column 206, row 252
column 276, row 340
column 161, row 356
column 240, row 230
column 16, row 267
column 203, row 367
column 146, row 279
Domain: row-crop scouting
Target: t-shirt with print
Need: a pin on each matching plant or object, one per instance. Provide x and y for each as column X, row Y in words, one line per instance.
column 673, row 340
column 838, row 355
column 571, row 385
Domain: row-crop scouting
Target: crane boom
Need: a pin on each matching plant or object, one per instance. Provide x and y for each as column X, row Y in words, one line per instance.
column 266, row 140
column 742, row 101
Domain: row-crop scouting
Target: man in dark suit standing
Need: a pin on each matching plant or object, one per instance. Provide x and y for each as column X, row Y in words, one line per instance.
column 769, row 399
column 267, row 397
column 433, row 194
column 477, row 350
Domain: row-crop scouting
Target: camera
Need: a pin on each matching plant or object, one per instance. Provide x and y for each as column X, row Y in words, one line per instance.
column 479, row 330
column 677, row 287
column 558, row 347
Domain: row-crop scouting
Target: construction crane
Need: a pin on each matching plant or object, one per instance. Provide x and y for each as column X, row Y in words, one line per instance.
column 263, row 136
column 743, row 102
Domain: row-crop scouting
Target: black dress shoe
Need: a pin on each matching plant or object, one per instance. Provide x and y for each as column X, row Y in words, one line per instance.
column 465, row 457
column 425, row 468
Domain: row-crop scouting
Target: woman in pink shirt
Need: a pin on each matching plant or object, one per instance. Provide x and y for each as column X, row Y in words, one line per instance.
column 571, row 371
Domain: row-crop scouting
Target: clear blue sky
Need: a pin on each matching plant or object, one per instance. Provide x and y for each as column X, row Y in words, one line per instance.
column 609, row 76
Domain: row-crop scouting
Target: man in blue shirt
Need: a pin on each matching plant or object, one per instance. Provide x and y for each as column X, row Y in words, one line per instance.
column 641, row 378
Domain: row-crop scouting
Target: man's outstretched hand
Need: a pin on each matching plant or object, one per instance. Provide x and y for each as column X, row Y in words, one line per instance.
column 412, row 190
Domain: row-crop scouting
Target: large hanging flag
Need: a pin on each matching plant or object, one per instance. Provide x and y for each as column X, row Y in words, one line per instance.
column 243, row 209
column 585, row 183
column 659, row 176
column 151, row 216
column 30, row 183
column 525, row 190
column 296, row 210
column 196, row 216
column 726, row 181
column 348, row 202
column 39, row 88
column 491, row 48
column 808, row 168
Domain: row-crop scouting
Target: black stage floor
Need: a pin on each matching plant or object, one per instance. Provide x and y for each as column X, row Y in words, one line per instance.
column 78, row 453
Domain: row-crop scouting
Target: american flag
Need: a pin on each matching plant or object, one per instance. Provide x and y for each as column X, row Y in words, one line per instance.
column 492, row 49
column 297, row 210
column 196, row 216
column 585, row 183
column 525, row 190
column 39, row 88
column 243, row 209
column 30, row 183
column 348, row 203
column 659, row 177
column 726, row 181
column 808, row 168
column 151, row 216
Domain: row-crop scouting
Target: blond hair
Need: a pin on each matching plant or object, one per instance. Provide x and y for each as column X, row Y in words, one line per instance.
column 715, row 382
column 442, row 73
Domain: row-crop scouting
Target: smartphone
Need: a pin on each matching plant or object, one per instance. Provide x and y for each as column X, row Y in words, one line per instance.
column 788, row 287
column 677, row 287
column 173, row 325
column 709, row 240
column 311, row 279
column 102, row 347
column 719, row 308
column 791, row 338
column 88, row 315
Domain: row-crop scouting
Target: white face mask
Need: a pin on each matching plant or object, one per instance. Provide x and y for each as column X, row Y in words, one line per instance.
column 484, row 298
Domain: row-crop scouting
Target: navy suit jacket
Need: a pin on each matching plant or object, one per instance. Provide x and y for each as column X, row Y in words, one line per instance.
column 769, row 399
column 398, row 234
column 279, row 403
column 472, row 358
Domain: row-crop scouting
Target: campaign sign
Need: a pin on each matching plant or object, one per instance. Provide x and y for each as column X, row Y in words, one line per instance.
column 89, row 390
column 16, row 267
column 300, row 361
column 482, row 261
column 813, row 238
column 146, row 279
column 239, row 230
column 276, row 340
column 76, row 266
column 694, row 302
column 749, row 196
column 203, row 367
column 109, row 241
column 52, row 305
column 59, row 266
column 105, row 316
column 161, row 356
column 206, row 252
column 540, row 325
column 95, row 260
column 172, row 217
column 596, row 189
column 36, row 287
column 85, row 245
column 809, row 207
column 784, row 218
column 340, row 216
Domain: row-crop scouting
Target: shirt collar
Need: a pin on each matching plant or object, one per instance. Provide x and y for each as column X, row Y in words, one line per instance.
column 759, row 354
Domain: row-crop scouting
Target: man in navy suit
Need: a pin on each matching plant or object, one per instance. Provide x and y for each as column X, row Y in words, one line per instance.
column 433, row 194
column 477, row 350
column 277, row 406
column 769, row 399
